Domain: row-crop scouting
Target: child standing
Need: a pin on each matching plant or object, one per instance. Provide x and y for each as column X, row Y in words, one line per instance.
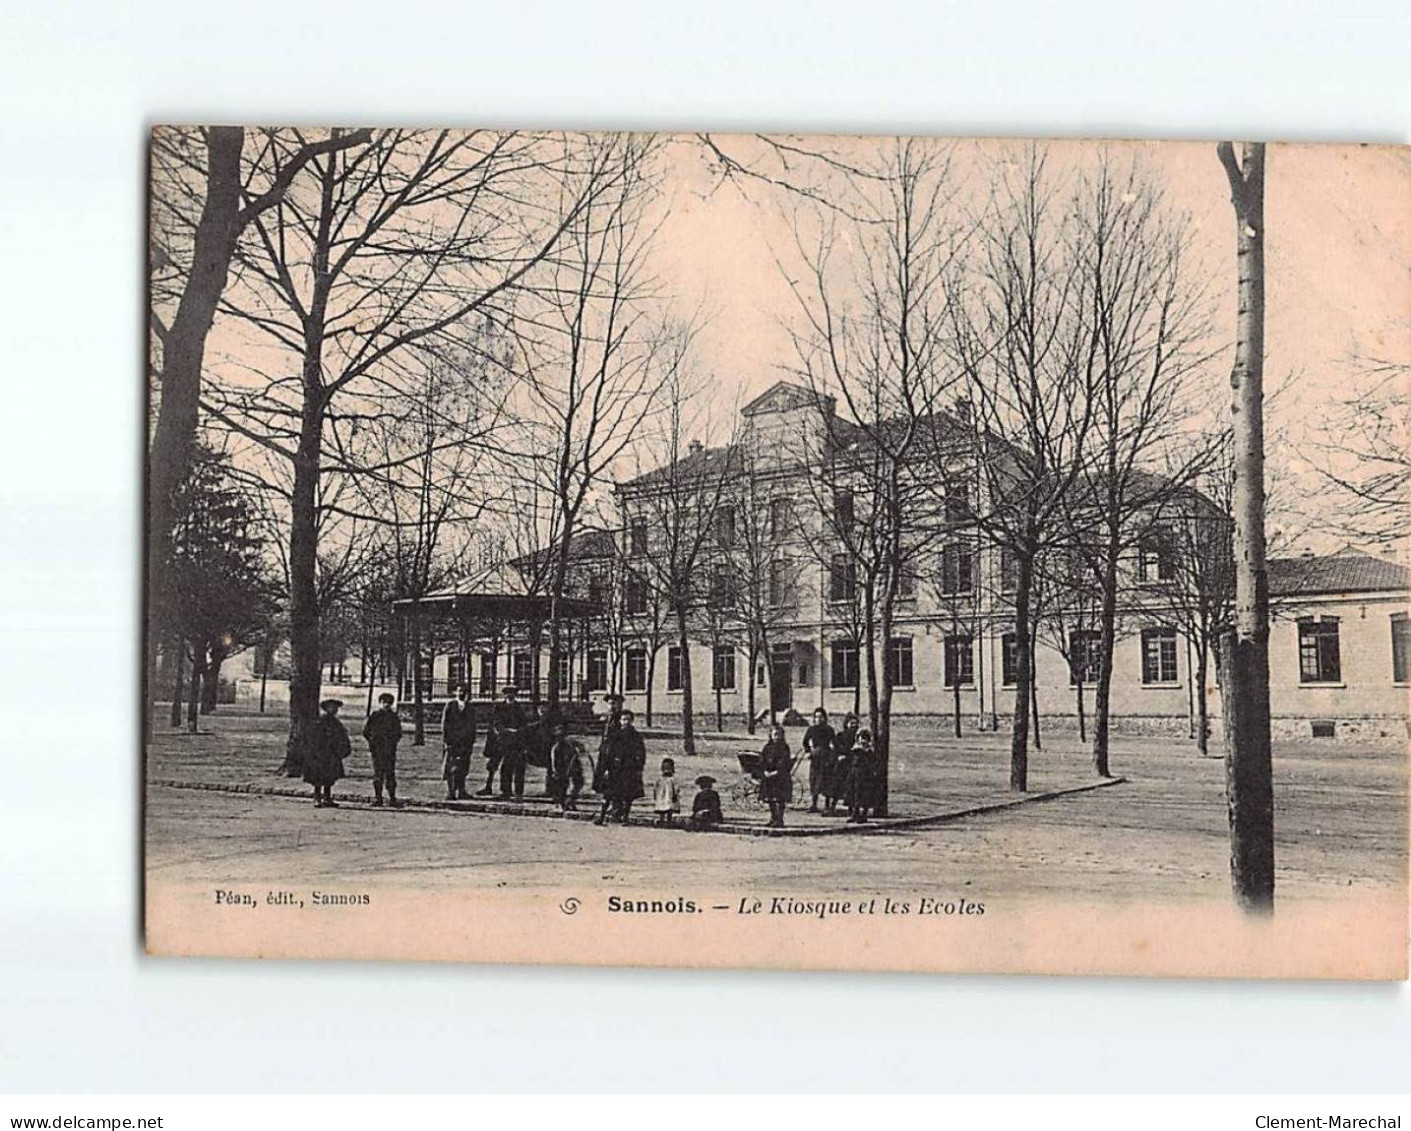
column 666, row 798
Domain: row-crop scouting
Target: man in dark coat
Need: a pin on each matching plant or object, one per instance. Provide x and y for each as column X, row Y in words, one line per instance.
column 629, row 761
column 508, row 724
column 383, row 731
column 323, row 761
column 818, row 745
column 457, row 742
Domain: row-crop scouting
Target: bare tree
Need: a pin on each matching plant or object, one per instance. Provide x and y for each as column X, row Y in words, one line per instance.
column 1249, row 775
column 411, row 242
column 1026, row 357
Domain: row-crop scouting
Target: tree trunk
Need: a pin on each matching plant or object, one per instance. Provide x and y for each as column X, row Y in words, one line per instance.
column 1107, row 635
column 1034, row 692
column 418, row 691
column 688, row 720
column 1082, row 720
column 750, row 691
column 193, row 695
column 1249, row 761
column 183, row 349
column 1019, row 737
column 955, row 691
column 176, row 691
column 1202, row 704
column 651, row 677
column 210, row 682
column 304, row 667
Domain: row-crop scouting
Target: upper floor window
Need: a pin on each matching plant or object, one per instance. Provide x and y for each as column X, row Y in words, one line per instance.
column 843, row 512
column 781, row 517
column 723, row 588
column 1156, row 557
column 1085, row 655
column 780, row 583
column 637, row 537
column 635, row 594
column 1319, row 651
column 1008, row 570
column 725, row 527
column 958, row 508
column 842, row 578
column 957, row 569
column 1159, row 655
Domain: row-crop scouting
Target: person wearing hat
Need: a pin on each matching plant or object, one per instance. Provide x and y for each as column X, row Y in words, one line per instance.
column 507, row 724
column 323, row 759
column 383, row 731
column 705, row 809
column 457, row 742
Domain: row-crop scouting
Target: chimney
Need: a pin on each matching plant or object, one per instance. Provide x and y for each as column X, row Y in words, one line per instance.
column 694, row 447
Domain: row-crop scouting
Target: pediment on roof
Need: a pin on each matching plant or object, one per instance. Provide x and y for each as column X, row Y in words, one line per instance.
column 782, row 396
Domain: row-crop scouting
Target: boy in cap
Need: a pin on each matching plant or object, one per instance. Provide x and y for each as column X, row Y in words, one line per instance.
column 458, row 742
column 383, row 731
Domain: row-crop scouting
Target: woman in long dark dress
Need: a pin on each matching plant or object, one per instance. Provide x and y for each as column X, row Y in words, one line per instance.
column 776, row 782
column 818, row 744
column 323, row 761
column 836, row 786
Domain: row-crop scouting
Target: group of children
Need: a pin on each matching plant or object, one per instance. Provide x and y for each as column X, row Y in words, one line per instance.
column 666, row 800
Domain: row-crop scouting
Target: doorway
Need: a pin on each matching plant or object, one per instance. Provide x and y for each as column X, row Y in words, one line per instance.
column 781, row 677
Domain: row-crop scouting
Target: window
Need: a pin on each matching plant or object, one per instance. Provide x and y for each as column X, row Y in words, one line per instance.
column 1008, row 570
column 725, row 527
column 723, row 590
column 597, row 677
column 843, row 512
column 1156, row 558
column 637, row 538
column 960, row 661
column 636, row 669
column 595, row 588
column 842, row 578
column 424, row 669
column 844, row 664
column 673, row 669
column 906, row 585
column 899, row 665
column 957, row 499
column 1009, row 646
column 781, row 515
column 723, row 667
column 636, row 594
column 565, row 672
column 487, row 673
column 1400, row 648
column 455, row 671
column 780, row 589
column 1319, row 655
column 522, row 666
column 957, row 569
column 1085, row 655
column 1158, row 655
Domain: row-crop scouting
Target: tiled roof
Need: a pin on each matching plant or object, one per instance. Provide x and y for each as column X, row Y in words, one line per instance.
column 586, row 544
column 698, row 462
column 1345, row 572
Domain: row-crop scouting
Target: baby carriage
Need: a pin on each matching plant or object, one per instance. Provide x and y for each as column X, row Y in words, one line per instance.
column 744, row 791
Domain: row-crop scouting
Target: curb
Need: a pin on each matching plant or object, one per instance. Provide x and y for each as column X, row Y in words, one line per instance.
column 545, row 812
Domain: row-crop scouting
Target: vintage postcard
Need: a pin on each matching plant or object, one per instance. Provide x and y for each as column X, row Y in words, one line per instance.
column 849, row 553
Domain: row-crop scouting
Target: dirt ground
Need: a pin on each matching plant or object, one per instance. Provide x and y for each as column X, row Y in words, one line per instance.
column 1341, row 824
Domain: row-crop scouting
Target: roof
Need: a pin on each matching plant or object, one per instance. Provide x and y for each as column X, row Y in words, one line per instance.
column 588, row 544
column 1348, row 571
column 697, row 463
column 519, row 607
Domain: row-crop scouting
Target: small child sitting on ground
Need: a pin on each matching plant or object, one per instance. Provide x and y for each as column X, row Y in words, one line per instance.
column 666, row 798
column 705, row 809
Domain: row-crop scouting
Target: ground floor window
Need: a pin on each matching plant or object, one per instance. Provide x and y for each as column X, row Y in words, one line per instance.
column 1400, row 648
column 1159, row 655
column 455, row 672
column 899, row 665
column 522, row 670
column 565, row 673
column 1319, row 652
column 1085, row 655
column 723, row 667
column 597, row 669
column 959, row 661
column 487, row 673
column 673, row 669
column 844, row 664
column 636, row 669
column 1009, row 646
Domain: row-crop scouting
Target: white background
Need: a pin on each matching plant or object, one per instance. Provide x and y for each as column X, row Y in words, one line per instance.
column 80, row 1008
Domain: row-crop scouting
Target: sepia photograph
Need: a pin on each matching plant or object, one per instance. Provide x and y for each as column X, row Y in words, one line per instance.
column 777, row 551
